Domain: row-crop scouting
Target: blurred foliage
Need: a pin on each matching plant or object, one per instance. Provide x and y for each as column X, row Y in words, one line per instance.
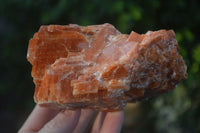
column 175, row 112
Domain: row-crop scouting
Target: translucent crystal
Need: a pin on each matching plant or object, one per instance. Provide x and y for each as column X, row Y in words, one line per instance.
column 97, row 67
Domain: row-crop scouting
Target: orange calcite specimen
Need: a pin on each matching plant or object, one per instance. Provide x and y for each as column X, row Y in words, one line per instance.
column 97, row 67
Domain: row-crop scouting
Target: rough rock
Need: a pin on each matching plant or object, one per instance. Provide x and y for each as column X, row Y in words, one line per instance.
column 99, row 68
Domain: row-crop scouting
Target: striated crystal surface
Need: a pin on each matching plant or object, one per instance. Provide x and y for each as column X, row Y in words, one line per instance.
column 99, row 68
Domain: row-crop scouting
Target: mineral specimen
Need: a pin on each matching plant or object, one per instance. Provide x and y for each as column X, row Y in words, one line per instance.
column 97, row 67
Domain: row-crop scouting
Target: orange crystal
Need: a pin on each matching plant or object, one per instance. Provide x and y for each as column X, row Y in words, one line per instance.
column 97, row 67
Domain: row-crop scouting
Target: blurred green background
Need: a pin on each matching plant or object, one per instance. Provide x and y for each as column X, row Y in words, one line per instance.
column 175, row 112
